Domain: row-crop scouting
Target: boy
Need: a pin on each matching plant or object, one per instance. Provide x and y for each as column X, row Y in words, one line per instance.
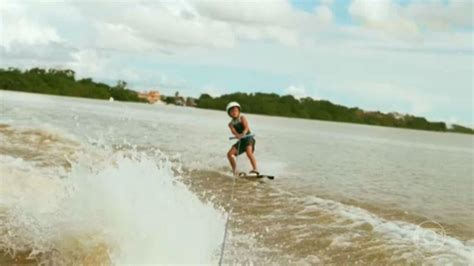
column 239, row 127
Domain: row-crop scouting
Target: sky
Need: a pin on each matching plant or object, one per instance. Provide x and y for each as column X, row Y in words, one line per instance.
column 406, row 56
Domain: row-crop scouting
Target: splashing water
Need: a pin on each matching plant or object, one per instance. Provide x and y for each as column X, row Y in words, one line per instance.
column 129, row 208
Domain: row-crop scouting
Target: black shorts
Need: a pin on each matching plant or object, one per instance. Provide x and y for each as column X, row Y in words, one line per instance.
column 242, row 144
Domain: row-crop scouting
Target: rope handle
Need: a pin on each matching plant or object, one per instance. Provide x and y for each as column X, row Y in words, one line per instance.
column 246, row 136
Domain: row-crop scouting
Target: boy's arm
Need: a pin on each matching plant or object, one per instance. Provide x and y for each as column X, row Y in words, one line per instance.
column 232, row 129
column 246, row 125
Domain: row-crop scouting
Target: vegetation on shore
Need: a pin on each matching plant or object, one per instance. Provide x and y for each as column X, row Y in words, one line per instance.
column 288, row 106
column 63, row 82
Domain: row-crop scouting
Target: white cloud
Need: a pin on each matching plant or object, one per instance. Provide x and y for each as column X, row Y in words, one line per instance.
column 148, row 27
column 52, row 52
column 89, row 63
column 324, row 14
column 157, row 25
column 176, row 25
column 395, row 96
column 437, row 15
column 383, row 15
column 122, row 38
column 277, row 12
column 327, row 2
column 24, row 32
column 296, row 91
column 411, row 20
column 213, row 91
column 16, row 28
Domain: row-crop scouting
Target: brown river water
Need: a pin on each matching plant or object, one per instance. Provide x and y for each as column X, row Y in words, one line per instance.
column 95, row 182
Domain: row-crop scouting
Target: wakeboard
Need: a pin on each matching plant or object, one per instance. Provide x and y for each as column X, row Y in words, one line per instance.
column 255, row 176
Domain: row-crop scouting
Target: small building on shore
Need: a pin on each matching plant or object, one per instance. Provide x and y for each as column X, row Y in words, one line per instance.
column 191, row 102
column 151, row 96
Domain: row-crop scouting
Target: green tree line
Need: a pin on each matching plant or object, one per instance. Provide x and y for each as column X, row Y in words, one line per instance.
column 288, row 106
column 62, row 82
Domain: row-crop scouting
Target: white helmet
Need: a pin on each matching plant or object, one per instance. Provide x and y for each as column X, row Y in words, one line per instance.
column 232, row 105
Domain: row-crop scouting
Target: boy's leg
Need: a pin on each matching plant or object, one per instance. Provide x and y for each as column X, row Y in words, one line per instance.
column 253, row 161
column 230, row 155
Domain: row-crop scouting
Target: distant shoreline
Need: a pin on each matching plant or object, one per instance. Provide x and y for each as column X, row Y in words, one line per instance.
column 308, row 108
column 64, row 83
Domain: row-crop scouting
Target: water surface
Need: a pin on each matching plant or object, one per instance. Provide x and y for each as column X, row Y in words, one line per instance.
column 95, row 181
